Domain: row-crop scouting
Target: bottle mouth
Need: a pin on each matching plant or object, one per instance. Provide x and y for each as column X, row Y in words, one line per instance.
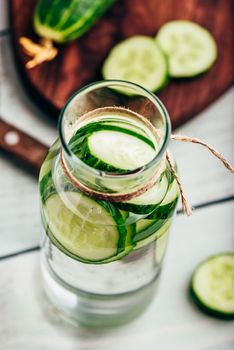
column 73, row 110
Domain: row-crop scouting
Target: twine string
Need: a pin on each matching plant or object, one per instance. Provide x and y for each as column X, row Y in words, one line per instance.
column 186, row 208
column 217, row 154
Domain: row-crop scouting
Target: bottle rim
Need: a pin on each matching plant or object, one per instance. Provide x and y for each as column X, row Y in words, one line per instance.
column 109, row 83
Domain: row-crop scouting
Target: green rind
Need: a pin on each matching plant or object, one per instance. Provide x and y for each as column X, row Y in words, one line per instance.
column 142, row 208
column 46, row 187
column 65, row 20
column 148, row 231
column 88, row 129
column 144, row 242
column 200, row 303
column 206, row 309
column 119, row 219
column 164, row 212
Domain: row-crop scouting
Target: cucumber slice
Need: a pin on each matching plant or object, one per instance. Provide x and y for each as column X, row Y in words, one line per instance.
column 128, row 248
column 149, row 200
column 213, row 285
column 138, row 60
column 116, row 151
column 129, row 245
column 81, row 135
column 168, row 205
column 191, row 49
column 86, row 229
column 145, row 228
column 156, row 235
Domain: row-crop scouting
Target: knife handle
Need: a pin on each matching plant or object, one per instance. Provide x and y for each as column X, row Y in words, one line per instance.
column 19, row 144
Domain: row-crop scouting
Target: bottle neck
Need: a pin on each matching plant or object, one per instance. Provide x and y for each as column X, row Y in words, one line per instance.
column 86, row 178
column 78, row 158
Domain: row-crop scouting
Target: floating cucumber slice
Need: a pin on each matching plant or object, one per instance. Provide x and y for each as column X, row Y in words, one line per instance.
column 129, row 245
column 81, row 135
column 115, row 151
column 75, row 228
column 156, row 235
column 213, row 285
column 128, row 248
column 191, row 49
column 149, row 200
column 138, row 60
column 168, row 205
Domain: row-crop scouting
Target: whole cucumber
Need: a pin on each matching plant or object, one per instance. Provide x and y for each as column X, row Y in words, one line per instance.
column 66, row 20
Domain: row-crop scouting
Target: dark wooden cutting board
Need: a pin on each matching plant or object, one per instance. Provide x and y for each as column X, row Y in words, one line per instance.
column 79, row 63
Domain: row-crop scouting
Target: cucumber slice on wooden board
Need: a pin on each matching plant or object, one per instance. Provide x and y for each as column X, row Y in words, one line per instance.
column 190, row 48
column 138, row 60
column 85, row 228
column 212, row 285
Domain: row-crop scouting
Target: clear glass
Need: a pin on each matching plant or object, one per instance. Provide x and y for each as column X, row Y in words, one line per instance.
column 101, row 261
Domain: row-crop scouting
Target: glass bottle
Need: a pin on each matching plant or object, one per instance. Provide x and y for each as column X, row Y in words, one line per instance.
column 101, row 259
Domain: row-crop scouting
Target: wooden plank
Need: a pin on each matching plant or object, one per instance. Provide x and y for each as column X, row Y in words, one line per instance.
column 79, row 63
column 28, row 321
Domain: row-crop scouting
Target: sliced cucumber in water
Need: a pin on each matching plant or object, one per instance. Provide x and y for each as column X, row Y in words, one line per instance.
column 149, row 200
column 129, row 245
column 191, row 49
column 138, row 60
column 146, row 227
column 85, row 229
column 213, row 285
column 111, row 148
column 153, row 236
column 119, row 150
column 168, row 205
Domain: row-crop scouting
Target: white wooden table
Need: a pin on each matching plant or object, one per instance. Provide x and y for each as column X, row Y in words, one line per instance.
column 29, row 322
